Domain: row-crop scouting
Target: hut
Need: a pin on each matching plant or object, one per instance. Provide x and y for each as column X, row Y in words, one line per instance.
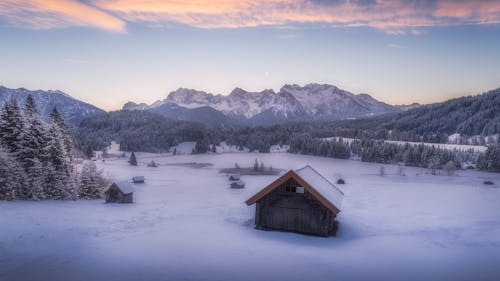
column 237, row 184
column 234, row 177
column 152, row 164
column 340, row 181
column 119, row 192
column 138, row 179
column 300, row 201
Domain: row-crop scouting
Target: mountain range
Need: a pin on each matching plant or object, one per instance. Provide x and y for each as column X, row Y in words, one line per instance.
column 471, row 115
column 72, row 110
column 312, row 102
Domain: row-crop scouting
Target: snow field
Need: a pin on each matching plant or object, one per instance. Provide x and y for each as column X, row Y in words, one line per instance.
column 187, row 224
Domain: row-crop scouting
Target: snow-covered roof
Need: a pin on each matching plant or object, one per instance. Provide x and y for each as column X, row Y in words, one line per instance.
column 138, row 178
column 125, row 186
column 321, row 184
column 319, row 187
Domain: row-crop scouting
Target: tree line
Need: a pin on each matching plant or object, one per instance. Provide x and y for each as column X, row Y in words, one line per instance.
column 150, row 132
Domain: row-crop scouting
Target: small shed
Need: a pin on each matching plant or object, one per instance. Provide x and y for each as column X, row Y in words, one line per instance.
column 234, row 177
column 238, row 184
column 138, row 179
column 119, row 192
column 300, row 201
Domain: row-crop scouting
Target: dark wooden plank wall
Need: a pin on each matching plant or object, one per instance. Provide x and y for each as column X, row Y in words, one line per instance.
column 291, row 211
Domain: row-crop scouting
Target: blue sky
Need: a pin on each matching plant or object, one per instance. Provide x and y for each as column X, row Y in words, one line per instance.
column 122, row 50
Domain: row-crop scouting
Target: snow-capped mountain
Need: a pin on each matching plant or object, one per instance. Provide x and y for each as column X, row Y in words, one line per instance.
column 134, row 106
column 72, row 109
column 291, row 103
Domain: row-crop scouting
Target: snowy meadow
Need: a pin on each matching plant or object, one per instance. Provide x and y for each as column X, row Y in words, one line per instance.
column 187, row 224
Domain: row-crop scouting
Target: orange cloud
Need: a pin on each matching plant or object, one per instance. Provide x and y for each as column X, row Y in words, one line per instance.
column 47, row 14
column 391, row 16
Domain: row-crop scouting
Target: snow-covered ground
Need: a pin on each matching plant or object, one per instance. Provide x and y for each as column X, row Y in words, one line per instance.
column 186, row 147
column 187, row 224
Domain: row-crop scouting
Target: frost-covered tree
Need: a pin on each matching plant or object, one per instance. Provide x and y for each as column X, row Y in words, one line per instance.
column 35, row 156
column 450, row 168
column 11, row 127
column 434, row 164
column 33, row 141
column 60, row 125
column 92, row 182
column 34, row 187
column 491, row 160
column 11, row 177
column 133, row 160
column 58, row 182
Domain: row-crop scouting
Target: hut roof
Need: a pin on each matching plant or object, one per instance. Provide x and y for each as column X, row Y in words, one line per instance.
column 319, row 187
column 124, row 186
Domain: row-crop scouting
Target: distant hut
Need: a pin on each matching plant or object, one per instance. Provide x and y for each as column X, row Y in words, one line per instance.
column 234, row 177
column 119, row 192
column 300, row 201
column 152, row 164
column 237, row 184
column 340, row 181
column 138, row 179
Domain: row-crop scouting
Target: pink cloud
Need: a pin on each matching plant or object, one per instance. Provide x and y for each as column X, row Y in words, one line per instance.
column 391, row 16
column 47, row 14
column 472, row 12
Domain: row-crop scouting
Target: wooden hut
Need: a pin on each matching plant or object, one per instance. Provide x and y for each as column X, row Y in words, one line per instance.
column 138, row 179
column 238, row 184
column 300, row 201
column 119, row 192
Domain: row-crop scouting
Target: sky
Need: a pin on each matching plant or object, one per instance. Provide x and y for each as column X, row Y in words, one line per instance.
column 108, row 52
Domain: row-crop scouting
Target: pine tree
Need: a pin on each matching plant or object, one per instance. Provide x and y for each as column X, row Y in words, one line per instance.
column 33, row 142
column 11, row 127
column 9, row 183
column 34, row 187
column 57, row 119
column 58, row 177
column 492, row 158
column 32, row 153
column 450, row 168
column 92, row 182
column 133, row 160
column 89, row 152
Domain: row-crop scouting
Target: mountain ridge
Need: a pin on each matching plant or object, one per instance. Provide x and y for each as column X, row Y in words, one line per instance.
column 72, row 110
column 291, row 103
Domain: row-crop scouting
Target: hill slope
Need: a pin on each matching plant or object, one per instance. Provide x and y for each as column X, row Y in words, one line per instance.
column 471, row 115
column 73, row 110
